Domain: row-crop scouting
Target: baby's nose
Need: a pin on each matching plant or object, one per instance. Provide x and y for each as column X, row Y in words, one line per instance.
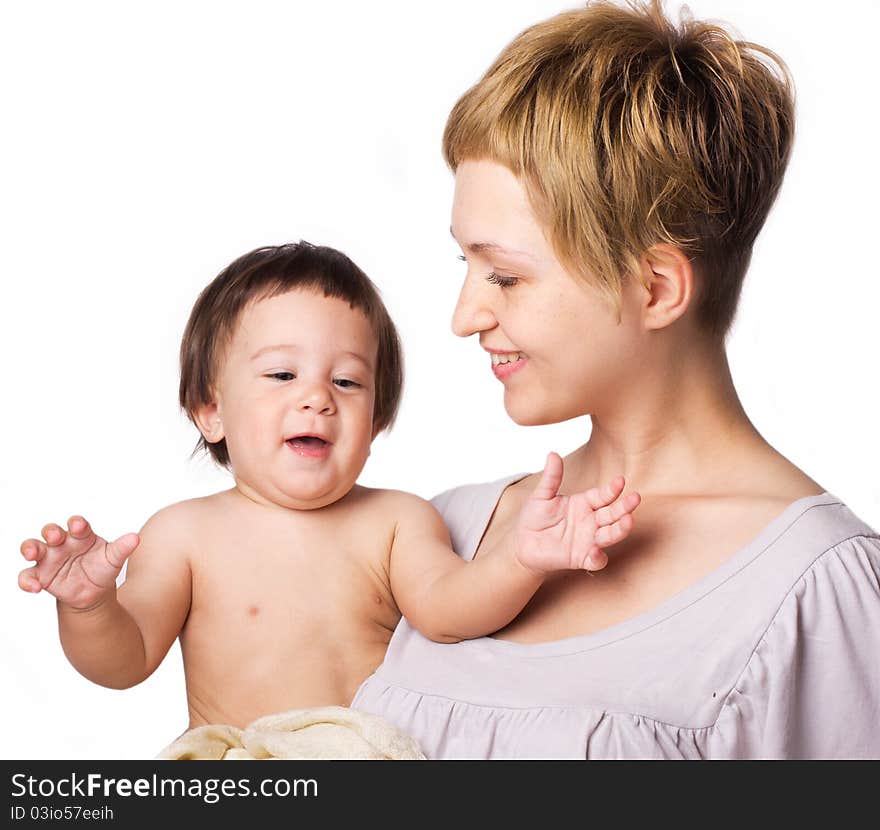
column 316, row 399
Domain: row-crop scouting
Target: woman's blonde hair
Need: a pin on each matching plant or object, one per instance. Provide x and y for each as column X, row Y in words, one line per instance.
column 629, row 131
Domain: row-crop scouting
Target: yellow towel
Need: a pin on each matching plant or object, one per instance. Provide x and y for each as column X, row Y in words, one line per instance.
column 325, row 733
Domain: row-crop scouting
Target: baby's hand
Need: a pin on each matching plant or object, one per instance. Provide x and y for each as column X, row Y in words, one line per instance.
column 77, row 567
column 563, row 532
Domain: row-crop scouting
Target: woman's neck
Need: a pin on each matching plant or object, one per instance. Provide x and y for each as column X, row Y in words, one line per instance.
column 679, row 428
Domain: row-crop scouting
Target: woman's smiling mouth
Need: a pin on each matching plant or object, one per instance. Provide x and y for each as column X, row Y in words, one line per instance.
column 504, row 364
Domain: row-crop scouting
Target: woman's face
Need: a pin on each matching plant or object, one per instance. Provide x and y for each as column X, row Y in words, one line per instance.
column 566, row 352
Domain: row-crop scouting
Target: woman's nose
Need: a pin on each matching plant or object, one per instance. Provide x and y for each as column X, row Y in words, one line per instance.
column 316, row 398
column 472, row 312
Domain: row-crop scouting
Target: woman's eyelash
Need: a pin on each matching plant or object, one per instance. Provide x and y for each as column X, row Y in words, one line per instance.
column 502, row 282
column 496, row 279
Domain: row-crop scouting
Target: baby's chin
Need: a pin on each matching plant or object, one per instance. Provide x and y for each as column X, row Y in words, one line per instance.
column 311, row 503
column 314, row 499
column 291, row 497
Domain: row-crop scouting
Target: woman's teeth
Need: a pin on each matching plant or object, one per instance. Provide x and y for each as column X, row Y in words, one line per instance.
column 506, row 357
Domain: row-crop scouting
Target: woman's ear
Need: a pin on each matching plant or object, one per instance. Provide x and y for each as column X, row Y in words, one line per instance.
column 668, row 279
column 207, row 419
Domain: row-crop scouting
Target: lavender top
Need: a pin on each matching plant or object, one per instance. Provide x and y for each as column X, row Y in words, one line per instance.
column 775, row 654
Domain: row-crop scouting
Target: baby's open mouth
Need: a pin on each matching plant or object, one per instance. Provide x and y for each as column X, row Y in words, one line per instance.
column 307, row 441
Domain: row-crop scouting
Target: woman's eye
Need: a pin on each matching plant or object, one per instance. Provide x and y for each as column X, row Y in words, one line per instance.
column 283, row 376
column 344, row 383
column 496, row 279
column 502, row 282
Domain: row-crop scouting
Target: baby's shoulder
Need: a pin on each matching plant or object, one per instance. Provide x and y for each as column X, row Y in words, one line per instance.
column 186, row 518
column 391, row 504
column 398, row 509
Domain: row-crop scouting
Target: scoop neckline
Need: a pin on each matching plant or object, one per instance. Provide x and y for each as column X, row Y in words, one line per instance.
column 667, row 608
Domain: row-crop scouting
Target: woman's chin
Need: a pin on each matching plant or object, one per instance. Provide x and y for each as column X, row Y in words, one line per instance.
column 527, row 413
column 531, row 412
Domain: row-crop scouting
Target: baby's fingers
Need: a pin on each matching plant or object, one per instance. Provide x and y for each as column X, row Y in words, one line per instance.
column 79, row 528
column 117, row 552
column 613, row 533
column 609, row 515
column 596, row 559
column 53, row 534
column 602, row 496
column 29, row 581
column 551, row 478
column 33, row 550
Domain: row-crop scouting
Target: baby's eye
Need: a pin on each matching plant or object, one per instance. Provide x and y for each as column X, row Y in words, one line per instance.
column 501, row 282
column 282, row 376
column 345, row 383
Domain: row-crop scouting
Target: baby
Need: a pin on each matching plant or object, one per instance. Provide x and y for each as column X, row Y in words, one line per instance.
column 286, row 588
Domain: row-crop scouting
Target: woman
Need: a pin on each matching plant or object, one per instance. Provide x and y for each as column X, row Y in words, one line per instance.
column 612, row 174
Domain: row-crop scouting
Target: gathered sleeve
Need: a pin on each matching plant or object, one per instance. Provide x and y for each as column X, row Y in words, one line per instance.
column 811, row 688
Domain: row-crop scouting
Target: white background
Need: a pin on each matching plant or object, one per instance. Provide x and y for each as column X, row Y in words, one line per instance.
column 146, row 145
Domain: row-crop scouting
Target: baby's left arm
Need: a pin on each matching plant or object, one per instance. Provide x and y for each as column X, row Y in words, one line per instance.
column 450, row 600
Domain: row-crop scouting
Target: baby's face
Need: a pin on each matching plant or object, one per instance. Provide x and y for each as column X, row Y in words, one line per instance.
column 295, row 399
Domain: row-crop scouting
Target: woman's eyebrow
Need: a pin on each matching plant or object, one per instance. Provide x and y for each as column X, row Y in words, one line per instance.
column 494, row 248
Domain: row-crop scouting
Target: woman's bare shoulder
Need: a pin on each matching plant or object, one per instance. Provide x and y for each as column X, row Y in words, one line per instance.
column 772, row 479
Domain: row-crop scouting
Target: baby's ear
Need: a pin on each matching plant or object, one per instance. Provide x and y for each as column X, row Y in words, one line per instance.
column 207, row 419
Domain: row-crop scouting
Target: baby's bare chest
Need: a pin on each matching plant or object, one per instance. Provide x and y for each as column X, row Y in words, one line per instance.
column 290, row 585
column 285, row 615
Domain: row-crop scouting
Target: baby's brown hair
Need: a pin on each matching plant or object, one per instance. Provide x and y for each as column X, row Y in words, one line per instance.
column 268, row 272
column 629, row 131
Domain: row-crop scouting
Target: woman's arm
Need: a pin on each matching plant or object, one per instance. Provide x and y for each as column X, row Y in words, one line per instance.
column 811, row 689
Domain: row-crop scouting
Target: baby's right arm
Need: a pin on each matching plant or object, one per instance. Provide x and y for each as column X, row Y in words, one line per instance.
column 449, row 599
column 115, row 638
